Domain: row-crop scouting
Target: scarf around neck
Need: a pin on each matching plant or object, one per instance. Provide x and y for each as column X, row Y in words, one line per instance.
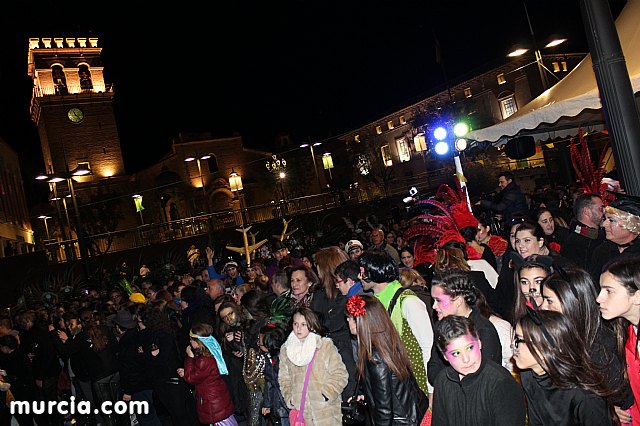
column 300, row 353
column 214, row 347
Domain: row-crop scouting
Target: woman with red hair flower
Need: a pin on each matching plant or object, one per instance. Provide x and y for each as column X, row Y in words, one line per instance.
column 383, row 366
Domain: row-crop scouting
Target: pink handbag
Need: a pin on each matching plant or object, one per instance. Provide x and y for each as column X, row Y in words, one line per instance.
column 296, row 418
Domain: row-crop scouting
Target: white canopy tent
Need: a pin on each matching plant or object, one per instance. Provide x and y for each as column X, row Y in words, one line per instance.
column 574, row 101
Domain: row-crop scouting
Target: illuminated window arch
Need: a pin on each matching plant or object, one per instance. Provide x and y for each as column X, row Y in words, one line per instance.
column 85, row 78
column 59, row 80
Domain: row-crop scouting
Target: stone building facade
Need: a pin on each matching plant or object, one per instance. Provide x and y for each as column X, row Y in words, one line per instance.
column 16, row 235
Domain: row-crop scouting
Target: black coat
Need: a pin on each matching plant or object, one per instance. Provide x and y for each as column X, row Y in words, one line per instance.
column 490, row 396
column 510, row 201
column 392, row 401
column 19, row 375
column 506, row 288
column 603, row 353
column 163, row 366
column 272, row 396
column 578, row 247
column 39, row 342
column 491, row 347
column 132, row 378
column 549, row 406
column 81, row 351
column 333, row 320
column 608, row 252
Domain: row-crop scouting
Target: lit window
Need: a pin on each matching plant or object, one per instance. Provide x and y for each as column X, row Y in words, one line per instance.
column 390, row 124
column 403, row 150
column 556, row 66
column 501, row 79
column 508, row 106
column 467, row 92
column 403, row 120
column 379, row 130
column 564, row 66
column 357, row 138
column 386, row 156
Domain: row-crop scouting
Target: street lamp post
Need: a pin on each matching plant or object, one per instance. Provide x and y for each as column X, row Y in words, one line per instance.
column 235, row 183
column 68, row 176
column 521, row 51
column 277, row 166
column 205, row 201
column 46, row 227
column 313, row 157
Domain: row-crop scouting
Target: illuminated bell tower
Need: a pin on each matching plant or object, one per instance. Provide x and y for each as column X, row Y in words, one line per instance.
column 73, row 108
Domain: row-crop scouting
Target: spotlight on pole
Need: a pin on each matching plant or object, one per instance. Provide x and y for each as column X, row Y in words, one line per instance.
column 461, row 144
column 460, row 129
column 442, row 148
column 440, row 133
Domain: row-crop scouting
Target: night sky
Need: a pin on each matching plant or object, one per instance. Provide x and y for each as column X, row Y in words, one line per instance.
column 308, row 69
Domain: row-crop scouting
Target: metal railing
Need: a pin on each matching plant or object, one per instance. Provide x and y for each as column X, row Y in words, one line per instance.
column 60, row 251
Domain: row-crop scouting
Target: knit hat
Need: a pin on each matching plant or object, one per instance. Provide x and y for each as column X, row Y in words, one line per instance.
column 137, row 298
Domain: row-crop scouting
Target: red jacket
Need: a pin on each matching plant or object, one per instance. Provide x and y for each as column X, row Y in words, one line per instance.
column 212, row 396
column 633, row 370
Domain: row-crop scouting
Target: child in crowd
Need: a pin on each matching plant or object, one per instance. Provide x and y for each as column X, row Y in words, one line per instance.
column 472, row 389
column 272, row 337
column 203, row 368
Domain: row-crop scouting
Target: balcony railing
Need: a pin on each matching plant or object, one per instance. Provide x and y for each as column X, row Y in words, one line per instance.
column 183, row 228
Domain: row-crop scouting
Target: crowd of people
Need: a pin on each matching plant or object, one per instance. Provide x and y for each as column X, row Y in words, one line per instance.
column 440, row 318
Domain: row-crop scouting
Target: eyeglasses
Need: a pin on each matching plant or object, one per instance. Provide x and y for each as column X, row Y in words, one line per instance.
column 517, row 341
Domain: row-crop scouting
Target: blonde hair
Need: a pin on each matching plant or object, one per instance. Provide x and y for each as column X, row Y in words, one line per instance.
column 411, row 277
column 450, row 258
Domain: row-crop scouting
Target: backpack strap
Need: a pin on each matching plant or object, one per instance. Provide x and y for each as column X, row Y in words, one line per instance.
column 394, row 300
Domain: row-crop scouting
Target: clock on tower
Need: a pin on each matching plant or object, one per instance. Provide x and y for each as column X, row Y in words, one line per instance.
column 73, row 107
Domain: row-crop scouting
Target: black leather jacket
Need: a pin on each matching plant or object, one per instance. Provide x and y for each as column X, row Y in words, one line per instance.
column 392, row 401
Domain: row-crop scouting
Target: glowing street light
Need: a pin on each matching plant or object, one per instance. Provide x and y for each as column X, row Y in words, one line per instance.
column 46, row 227
column 313, row 158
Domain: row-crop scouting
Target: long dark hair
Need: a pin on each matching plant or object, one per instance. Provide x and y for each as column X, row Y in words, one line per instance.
column 627, row 272
column 561, row 352
column 577, row 294
column 376, row 331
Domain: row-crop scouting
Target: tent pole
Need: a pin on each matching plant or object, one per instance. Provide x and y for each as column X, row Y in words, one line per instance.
column 616, row 93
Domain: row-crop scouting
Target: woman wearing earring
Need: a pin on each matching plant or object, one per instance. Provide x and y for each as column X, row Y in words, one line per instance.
column 619, row 301
column 562, row 385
